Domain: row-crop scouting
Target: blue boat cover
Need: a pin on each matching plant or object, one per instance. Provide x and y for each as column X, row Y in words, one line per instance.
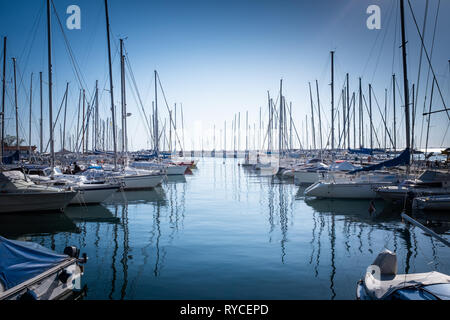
column 9, row 159
column 402, row 159
column 21, row 261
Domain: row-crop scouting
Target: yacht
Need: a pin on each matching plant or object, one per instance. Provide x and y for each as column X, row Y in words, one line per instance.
column 20, row 194
column 429, row 183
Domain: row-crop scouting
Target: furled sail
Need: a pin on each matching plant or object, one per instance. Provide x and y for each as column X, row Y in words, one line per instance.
column 402, row 159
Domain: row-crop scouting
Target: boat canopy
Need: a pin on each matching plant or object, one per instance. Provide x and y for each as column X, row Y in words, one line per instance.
column 21, row 261
column 343, row 166
column 402, row 159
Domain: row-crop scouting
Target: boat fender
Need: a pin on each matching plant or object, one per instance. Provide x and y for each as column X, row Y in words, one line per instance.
column 28, row 295
column 63, row 276
column 72, row 251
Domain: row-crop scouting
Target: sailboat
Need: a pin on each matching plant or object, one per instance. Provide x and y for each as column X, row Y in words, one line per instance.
column 20, row 194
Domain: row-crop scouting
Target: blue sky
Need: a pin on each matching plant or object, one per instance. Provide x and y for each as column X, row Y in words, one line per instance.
column 219, row 58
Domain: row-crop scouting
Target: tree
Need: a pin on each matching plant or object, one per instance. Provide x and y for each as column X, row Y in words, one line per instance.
column 11, row 140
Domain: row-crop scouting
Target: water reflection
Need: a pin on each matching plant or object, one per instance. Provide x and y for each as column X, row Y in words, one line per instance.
column 225, row 226
column 19, row 225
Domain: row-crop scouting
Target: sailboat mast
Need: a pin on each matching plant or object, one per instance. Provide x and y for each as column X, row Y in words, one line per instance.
column 155, row 118
column 29, row 123
column 41, row 127
column 332, row 100
column 96, row 115
column 312, row 116
column 280, row 126
column 111, row 87
column 3, row 97
column 123, row 98
column 395, row 124
column 370, row 115
column 320, row 121
column 405, row 74
column 16, row 107
column 65, row 112
column 50, row 84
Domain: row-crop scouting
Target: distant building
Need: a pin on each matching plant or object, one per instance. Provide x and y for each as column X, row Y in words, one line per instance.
column 23, row 150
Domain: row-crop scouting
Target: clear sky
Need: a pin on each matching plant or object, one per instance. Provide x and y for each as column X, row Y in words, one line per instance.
column 218, row 58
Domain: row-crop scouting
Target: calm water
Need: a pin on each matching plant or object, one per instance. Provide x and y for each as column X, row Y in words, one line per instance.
column 227, row 233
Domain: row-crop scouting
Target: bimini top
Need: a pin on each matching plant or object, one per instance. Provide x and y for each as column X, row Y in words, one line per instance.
column 21, row 261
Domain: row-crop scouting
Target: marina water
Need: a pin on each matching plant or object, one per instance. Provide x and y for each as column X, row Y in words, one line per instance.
column 225, row 232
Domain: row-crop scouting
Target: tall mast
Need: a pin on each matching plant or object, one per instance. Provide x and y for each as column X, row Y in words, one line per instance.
column 96, row 115
column 348, row 114
column 405, row 74
column 312, row 117
column 3, row 97
column 155, row 119
column 332, row 100
column 246, row 131
column 83, row 124
column 361, row 117
column 65, row 111
column 395, row 124
column 123, row 98
column 41, row 126
column 354, row 121
column 111, row 87
column 385, row 113
column 50, row 84
column 280, row 126
column 16, row 107
column 320, row 121
column 344, row 107
column 370, row 115
column 29, row 123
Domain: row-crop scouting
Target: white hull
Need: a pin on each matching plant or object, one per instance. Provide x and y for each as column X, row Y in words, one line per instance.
column 93, row 195
column 306, row 177
column 357, row 190
column 176, row 170
column 133, row 182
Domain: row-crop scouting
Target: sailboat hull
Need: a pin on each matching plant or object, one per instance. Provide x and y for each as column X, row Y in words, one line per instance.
column 35, row 201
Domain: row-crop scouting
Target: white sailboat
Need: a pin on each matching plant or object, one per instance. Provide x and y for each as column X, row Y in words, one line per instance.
column 19, row 194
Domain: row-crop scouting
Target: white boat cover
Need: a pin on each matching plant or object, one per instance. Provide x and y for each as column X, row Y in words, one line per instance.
column 387, row 280
column 379, row 289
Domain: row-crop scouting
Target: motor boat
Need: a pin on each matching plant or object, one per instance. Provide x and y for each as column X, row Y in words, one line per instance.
column 434, row 203
column 170, row 169
column 29, row 271
column 352, row 186
column 381, row 282
column 19, row 194
column 429, row 183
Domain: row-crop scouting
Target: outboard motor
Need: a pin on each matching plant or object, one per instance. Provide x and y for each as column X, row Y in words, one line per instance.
column 72, row 251
column 387, row 262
